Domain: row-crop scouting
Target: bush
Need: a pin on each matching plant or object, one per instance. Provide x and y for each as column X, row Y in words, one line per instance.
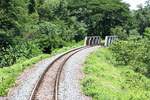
column 134, row 52
column 18, row 50
column 48, row 37
column 57, row 34
column 120, row 32
column 134, row 33
column 147, row 33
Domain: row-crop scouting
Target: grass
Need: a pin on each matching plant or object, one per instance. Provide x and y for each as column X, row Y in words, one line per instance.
column 104, row 81
column 8, row 75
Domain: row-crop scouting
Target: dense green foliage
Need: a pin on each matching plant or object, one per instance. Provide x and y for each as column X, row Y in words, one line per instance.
column 147, row 33
column 17, row 51
column 106, row 81
column 140, row 19
column 133, row 49
column 100, row 15
column 31, row 27
column 120, row 32
column 134, row 52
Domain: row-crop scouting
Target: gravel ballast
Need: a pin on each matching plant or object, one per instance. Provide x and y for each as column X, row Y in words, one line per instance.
column 45, row 90
column 69, row 88
column 28, row 79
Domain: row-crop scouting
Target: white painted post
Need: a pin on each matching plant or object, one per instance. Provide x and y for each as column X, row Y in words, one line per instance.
column 92, row 40
column 99, row 40
column 85, row 41
column 110, row 39
column 106, row 39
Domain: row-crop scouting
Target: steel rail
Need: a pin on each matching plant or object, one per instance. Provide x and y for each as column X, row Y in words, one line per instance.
column 57, row 81
column 58, row 73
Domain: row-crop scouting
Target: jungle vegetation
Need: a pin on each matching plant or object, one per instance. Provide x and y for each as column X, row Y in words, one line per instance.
column 32, row 27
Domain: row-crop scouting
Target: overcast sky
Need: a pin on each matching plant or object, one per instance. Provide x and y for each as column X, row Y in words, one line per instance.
column 134, row 3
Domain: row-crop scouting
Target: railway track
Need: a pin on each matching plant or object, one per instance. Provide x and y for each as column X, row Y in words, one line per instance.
column 48, row 85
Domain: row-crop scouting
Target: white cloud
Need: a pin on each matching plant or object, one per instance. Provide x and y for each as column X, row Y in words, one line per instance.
column 134, row 3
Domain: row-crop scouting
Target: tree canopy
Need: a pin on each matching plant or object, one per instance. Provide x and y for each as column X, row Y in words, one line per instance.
column 100, row 15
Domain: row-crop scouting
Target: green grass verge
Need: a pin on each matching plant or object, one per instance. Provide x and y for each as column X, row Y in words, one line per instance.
column 8, row 75
column 104, row 81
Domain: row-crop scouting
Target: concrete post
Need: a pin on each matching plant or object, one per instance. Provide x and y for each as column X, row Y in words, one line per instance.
column 85, row 41
column 106, row 38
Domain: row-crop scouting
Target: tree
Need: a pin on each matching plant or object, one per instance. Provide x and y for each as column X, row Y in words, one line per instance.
column 13, row 16
column 100, row 15
column 142, row 17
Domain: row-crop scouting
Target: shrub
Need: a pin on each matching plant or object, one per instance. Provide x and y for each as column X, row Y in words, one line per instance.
column 48, row 37
column 18, row 50
column 120, row 32
column 147, row 33
column 135, row 52
column 57, row 34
